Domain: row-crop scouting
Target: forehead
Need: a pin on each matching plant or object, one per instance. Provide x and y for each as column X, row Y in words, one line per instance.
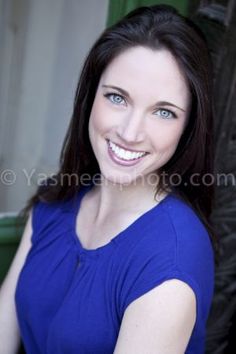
column 154, row 72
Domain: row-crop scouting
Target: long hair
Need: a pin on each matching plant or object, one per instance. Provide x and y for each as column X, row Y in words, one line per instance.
column 155, row 27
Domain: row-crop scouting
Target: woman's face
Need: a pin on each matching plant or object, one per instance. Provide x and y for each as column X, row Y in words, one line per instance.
column 138, row 115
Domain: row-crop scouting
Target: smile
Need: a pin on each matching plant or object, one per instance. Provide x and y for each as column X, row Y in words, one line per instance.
column 124, row 154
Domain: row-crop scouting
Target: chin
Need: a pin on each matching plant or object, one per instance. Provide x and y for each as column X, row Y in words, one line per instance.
column 118, row 179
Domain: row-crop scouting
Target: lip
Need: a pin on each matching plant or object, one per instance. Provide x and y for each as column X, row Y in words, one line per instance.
column 121, row 162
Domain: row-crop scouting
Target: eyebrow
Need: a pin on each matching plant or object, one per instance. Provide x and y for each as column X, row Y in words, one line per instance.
column 159, row 103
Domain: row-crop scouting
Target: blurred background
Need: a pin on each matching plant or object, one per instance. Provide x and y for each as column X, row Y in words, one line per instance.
column 42, row 48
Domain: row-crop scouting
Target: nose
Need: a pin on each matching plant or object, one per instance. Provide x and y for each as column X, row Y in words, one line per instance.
column 131, row 129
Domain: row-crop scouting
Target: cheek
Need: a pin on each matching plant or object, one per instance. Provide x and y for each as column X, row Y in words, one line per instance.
column 98, row 118
column 167, row 138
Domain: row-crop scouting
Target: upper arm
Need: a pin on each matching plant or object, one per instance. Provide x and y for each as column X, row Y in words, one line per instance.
column 9, row 331
column 19, row 257
column 159, row 322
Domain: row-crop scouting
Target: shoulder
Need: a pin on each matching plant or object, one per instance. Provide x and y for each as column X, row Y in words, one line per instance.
column 194, row 255
column 182, row 215
column 192, row 240
column 173, row 230
column 51, row 216
column 188, row 243
column 172, row 243
column 43, row 212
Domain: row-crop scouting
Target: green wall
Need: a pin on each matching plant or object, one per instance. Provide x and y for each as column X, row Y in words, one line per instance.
column 119, row 8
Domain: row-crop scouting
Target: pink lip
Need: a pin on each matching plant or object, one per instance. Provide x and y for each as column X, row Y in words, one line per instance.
column 120, row 161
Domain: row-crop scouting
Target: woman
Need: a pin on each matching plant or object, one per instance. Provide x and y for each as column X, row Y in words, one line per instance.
column 117, row 255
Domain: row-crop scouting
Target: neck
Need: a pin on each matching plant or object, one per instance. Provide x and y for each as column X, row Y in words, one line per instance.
column 114, row 199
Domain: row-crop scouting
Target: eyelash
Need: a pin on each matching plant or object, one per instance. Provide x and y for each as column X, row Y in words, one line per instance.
column 111, row 94
column 167, row 110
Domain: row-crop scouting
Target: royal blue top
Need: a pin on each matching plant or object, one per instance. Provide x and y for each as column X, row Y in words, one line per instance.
column 72, row 300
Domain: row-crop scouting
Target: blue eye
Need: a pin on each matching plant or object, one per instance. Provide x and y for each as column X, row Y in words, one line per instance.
column 115, row 98
column 165, row 113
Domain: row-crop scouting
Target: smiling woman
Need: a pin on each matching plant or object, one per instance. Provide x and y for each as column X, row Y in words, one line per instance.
column 117, row 257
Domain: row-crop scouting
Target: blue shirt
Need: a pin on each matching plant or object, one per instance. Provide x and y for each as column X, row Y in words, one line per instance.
column 71, row 300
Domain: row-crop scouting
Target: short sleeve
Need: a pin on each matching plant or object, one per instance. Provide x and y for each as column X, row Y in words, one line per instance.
column 148, row 279
column 175, row 246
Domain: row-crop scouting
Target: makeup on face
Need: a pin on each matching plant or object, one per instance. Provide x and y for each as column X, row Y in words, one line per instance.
column 139, row 113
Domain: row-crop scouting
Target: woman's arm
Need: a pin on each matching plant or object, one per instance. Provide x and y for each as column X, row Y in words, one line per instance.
column 9, row 331
column 159, row 322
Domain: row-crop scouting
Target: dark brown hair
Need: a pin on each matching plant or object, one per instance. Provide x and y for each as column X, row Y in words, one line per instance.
column 155, row 27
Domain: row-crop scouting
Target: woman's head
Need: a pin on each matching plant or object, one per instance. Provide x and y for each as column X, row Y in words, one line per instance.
column 157, row 28
column 138, row 116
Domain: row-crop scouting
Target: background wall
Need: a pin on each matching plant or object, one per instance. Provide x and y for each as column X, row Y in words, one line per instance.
column 119, row 8
column 42, row 44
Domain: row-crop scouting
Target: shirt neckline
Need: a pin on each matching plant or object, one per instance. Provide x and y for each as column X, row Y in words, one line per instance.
column 135, row 225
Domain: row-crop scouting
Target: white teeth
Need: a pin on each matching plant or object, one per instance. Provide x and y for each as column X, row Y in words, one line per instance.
column 128, row 154
column 125, row 154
